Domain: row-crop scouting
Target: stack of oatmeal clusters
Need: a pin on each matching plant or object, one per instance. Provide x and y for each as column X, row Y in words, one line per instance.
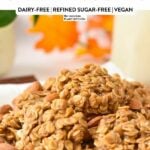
column 87, row 109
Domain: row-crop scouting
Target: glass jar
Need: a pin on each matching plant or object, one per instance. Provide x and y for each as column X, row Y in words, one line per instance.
column 7, row 48
column 131, row 45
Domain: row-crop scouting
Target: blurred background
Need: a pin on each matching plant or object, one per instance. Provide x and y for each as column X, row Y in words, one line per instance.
column 41, row 46
column 42, row 49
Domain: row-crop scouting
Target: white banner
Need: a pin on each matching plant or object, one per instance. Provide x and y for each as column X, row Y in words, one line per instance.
column 75, row 7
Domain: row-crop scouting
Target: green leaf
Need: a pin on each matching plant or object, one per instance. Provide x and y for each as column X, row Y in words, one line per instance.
column 6, row 17
column 35, row 19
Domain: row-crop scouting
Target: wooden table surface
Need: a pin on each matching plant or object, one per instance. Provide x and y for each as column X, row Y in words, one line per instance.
column 18, row 80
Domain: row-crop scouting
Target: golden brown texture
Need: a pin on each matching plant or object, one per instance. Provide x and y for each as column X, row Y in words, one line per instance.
column 85, row 109
column 124, row 130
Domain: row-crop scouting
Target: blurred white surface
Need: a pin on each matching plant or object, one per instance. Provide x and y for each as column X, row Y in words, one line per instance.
column 9, row 91
column 30, row 61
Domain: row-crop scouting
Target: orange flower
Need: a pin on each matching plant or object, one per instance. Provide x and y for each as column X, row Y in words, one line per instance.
column 56, row 33
column 93, row 48
column 101, row 21
column 62, row 34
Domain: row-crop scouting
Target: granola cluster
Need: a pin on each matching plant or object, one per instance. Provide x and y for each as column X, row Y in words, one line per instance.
column 124, row 130
column 85, row 109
